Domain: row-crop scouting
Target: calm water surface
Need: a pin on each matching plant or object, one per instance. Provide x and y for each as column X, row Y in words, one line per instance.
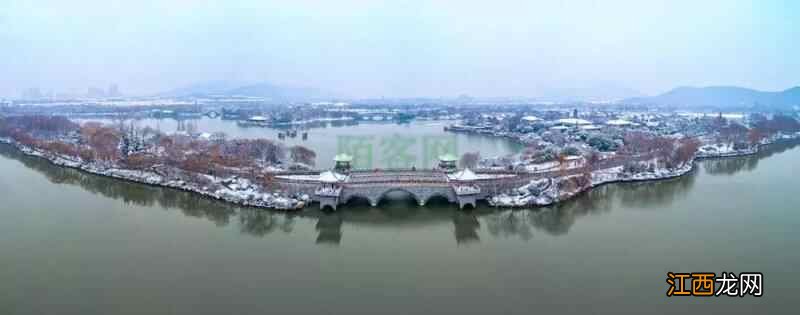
column 73, row 243
column 388, row 140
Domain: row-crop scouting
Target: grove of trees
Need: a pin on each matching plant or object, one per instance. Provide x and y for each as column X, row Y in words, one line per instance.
column 469, row 160
column 141, row 149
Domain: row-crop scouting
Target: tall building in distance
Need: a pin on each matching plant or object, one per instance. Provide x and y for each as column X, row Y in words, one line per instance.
column 95, row 92
column 32, row 94
column 113, row 91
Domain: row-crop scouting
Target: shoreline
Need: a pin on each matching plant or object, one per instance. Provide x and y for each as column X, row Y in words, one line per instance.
column 289, row 203
column 503, row 200
column 156, row 180
column 611, row 177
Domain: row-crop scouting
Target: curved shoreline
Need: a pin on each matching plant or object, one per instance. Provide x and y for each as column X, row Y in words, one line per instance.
column 143, row 177
column 156, row 180
column 509, row 202
column 681, row 172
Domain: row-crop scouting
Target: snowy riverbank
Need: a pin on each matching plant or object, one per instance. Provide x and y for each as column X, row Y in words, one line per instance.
column 540, row 192
column 544, row 192
column 723, row 150
column 240, row 191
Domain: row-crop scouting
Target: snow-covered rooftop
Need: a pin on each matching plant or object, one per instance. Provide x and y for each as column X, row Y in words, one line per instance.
column 258, row 118
column 531, row 118
column 574, row 121
column 343, row 157
column 590, row 127
column 331, row 177
column 618, row 122
column 448, row 157
column 464, row 175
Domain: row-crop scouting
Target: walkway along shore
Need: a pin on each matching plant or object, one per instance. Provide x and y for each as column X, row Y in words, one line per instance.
column 538, row 192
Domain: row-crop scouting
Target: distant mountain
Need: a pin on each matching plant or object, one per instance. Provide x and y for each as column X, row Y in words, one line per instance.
column 272, row 91
column 722, row 97
column 262, row 89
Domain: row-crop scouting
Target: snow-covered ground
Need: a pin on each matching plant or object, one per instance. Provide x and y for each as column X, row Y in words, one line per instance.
column 546, row 195
column 723, row 150
column 309, row 177
column 542, row 192
column 538, row 192
column 233, row 189
column 719, row 150
column 571, row 163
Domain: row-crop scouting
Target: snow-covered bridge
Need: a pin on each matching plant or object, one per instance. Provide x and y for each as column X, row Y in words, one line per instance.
column 464, row 187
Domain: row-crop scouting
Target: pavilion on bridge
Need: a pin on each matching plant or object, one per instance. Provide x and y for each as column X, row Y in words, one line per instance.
column 463, row 184
column 343, row 163
column 447, row 162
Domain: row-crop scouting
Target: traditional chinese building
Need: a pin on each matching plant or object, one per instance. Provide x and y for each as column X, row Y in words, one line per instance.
column 447, row 162
column 463, row 184
column 343, row 163
column 330, row 188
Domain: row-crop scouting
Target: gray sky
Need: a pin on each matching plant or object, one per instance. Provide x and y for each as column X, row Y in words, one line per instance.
column 399, row 48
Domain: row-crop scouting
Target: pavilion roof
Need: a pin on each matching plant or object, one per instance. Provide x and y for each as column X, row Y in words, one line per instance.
column 343, row 157
column 331, row 177
column 465, row 175
column 448, row 157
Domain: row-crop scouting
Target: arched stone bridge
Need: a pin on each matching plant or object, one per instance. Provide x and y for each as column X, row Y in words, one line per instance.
column 463, row 187
column 331, row 189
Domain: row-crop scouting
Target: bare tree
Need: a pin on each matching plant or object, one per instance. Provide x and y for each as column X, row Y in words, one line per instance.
column 301, row 154
column 469, row 160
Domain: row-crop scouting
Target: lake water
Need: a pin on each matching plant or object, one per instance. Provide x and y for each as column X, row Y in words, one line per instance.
column 387, row 144
column 73, row 243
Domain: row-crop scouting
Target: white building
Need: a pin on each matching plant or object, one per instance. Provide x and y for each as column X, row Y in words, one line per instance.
column 573, row 122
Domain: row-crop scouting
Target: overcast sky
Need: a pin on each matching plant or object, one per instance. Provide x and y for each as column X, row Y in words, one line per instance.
column 399, row 48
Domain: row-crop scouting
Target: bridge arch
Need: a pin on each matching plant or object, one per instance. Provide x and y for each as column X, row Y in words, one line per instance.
column 408, row 192
column 438, row 196
column 364, row 197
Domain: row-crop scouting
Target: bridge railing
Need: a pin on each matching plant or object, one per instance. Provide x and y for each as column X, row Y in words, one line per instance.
column 393, row 170
column 394, row 182
column 430, row 176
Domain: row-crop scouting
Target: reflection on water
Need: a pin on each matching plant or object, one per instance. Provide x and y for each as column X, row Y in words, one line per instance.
column 645, row 195
column 466, row 227
column 331, row 226
column 130, row 193
column 731, row 166
column 260, row 223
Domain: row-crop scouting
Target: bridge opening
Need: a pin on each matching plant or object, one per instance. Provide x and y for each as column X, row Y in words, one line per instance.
column 358, row 202
column 439, row 201
column 395, row 198
column 468, row 206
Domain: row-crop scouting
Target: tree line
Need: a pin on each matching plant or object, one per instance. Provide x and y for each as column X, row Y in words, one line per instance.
column 137, row 148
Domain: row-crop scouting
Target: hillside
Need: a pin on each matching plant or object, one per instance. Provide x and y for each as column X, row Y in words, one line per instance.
column 722, row 97
column 261, row 89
